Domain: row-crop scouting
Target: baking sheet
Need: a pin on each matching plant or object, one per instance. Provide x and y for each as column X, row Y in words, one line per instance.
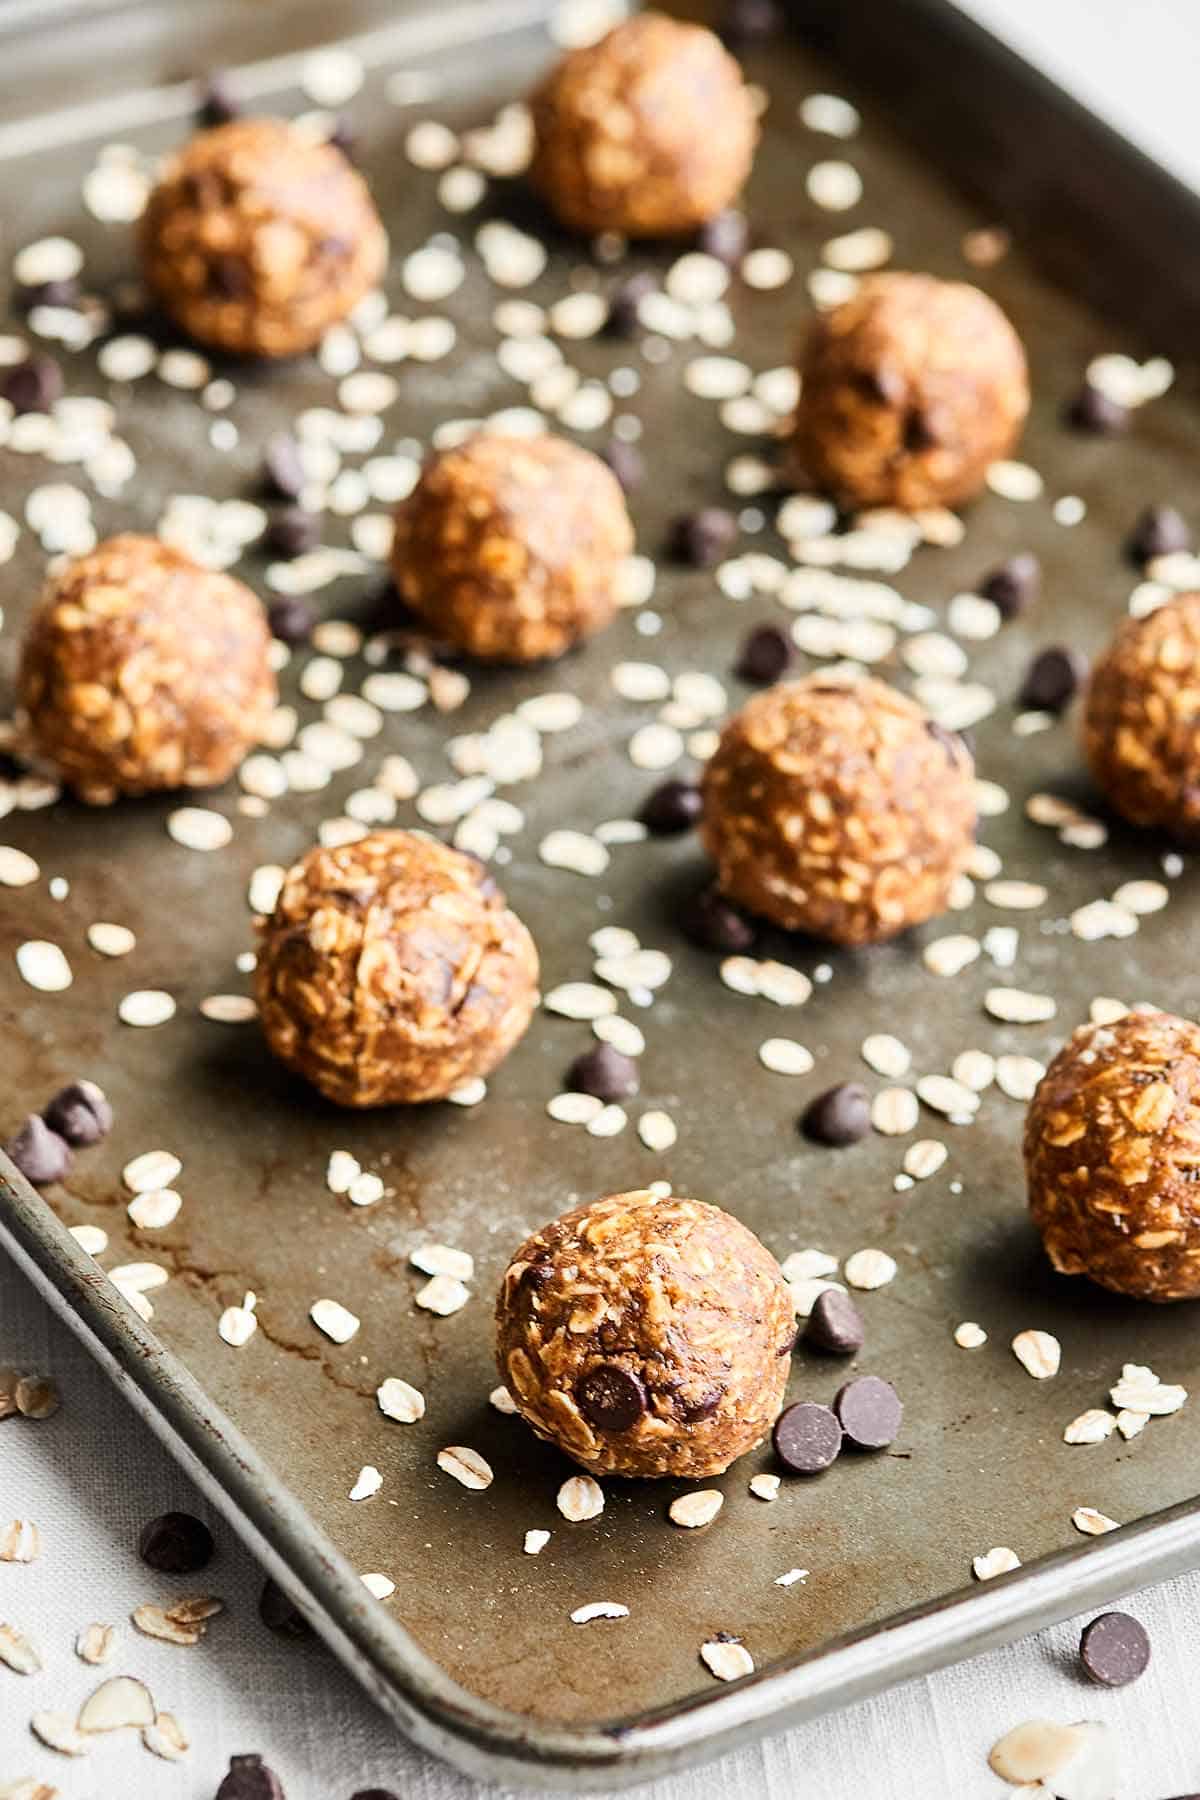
column 981, row 1460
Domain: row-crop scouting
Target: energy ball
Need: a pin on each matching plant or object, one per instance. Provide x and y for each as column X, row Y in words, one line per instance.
column 258, row 237
column 392, row 971
column 648, row 133
column 141, row 671
column 839, row 809
column 512, row 548
column 646, row 1336
column 909, row 390
column 1141, row 724
column 1112, row 1156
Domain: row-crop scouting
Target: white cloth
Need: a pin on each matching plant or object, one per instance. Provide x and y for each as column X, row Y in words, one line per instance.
column 90, row 1477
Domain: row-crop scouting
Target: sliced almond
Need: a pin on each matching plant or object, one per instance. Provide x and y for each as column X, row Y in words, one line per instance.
column 16, row 1651
column 166, row 1738
column 580, row 1498
column 696, row 1509
column 117, row 1705
column 58, row 1731
column 466, row 1466
column 1032, row 1752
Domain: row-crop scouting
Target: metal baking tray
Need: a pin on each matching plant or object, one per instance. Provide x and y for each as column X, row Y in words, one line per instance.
column 475, row 1656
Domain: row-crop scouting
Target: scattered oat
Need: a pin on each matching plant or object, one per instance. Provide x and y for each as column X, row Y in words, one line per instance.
column 886, row 1055
column 146, row 1007
column 726, row 1659
column 765, row 1487
column 466, row 1466
column 199, row 828
column 228, row 1009
column 442, row 1294
column 535, row 1542
column 17, row 1653
column 834, row 186
column 1038, row 1352
column 869, row 1269
column 599, row 1609
column 96, row 1644
column 1091, row 1522
column 1014, row 481
column 381, row 1586
column 969, row 1335
column 924, row 1158
column 43, row 966
column 950, row 955
column 1131, row 1424
column 894, row 1111
column 575, row 851
column 784, row 1056
column 368, row 1482
column 1018, row 1076
column 1013, row 1006
column 331, row 1317
column 152, row 1170
column 16, row 868
column 997, row 1561
column 20, row 1542
column 400, row 1401
column 580, row 1498
column 695, row 1509
column 116, row 1705
column 1141, row 1391
column 1091, row 1427
column 238, row 1324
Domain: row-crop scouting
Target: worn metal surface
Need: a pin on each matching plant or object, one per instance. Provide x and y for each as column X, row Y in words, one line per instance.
column 981, row 1460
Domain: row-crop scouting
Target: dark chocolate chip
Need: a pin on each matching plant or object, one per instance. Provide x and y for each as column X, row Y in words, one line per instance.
column 1159, row 532
column 807, row 1438
column 841, row 1115
column 81, row 1113
column 764, row 656
column 708, row 919
column 834, row 1325
column 176, row 1544
column 1052, row 679
column 725, row 236
column 605, row 1073
column 920, row 431
column 701, row 539
column 747, row 22
column 293, row 532
column 291, row 619
column 217, row 103
column 229, row 277
column 49, row 293
column 674, row 806
column 1114, row 1649
column 34, row 385
column 610, row 1398
column 870, row 1412
column 279, row 1615
column 1014, row 584
column 625, row 461
column 623, row 317
column 374, row 1794
column 1093, row 411
column 283, row 471
column 704, row 1408
column 249, row 1778
column 41, row 1155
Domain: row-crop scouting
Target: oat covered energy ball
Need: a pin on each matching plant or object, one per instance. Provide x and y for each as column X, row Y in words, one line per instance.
column 909, row 390
column 1112, row 1156
column 392, row 971
column 512, row 547
column 258, row 237
column 839, row 809
column 648, row 133
column 141, row 670
column 646, row 1336
column 1141, row 724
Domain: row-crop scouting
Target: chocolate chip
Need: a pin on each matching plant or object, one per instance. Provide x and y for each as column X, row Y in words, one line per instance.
column 674, row 806
column 49, row 293
column 747, row 22
column 41, row 1155
column 229, row 277
column 920, row 431
column 610, row 1398
column 708, row 919
column 881, row 386
column 701, row 539
column 605, row 1073
column 1052, row 679
column 764, row 656
column 626, row 463
column 291, row 619
column 623, row 318
column 726, row 236
column 80, row 1113
column 1114, row 1649
column 870, row 1412
column 283, row 471
column 841, row 1115
column 374, row 1794
column 176, row 1544
column 1091, row 410
column 834, row 1325
column 279, row 1615
column 807, row 1438
column 1159, row 532
column 34, row 385
column 293, row 532
column 1014, row 584
column 704, row 1408
column 249, row 1778
column 217, row 103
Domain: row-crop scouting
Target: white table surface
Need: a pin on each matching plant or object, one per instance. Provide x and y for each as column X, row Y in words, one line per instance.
column 92, row 1476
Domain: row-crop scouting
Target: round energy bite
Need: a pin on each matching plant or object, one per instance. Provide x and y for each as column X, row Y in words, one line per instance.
column 1141, row 720
column 648, row 133
column 258, row 237
column 909, row 390
column 392, row 971
column 511, row 548
column 839, row 809
column 141, row 671
column 646, row 1336
column 1112, row 1156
